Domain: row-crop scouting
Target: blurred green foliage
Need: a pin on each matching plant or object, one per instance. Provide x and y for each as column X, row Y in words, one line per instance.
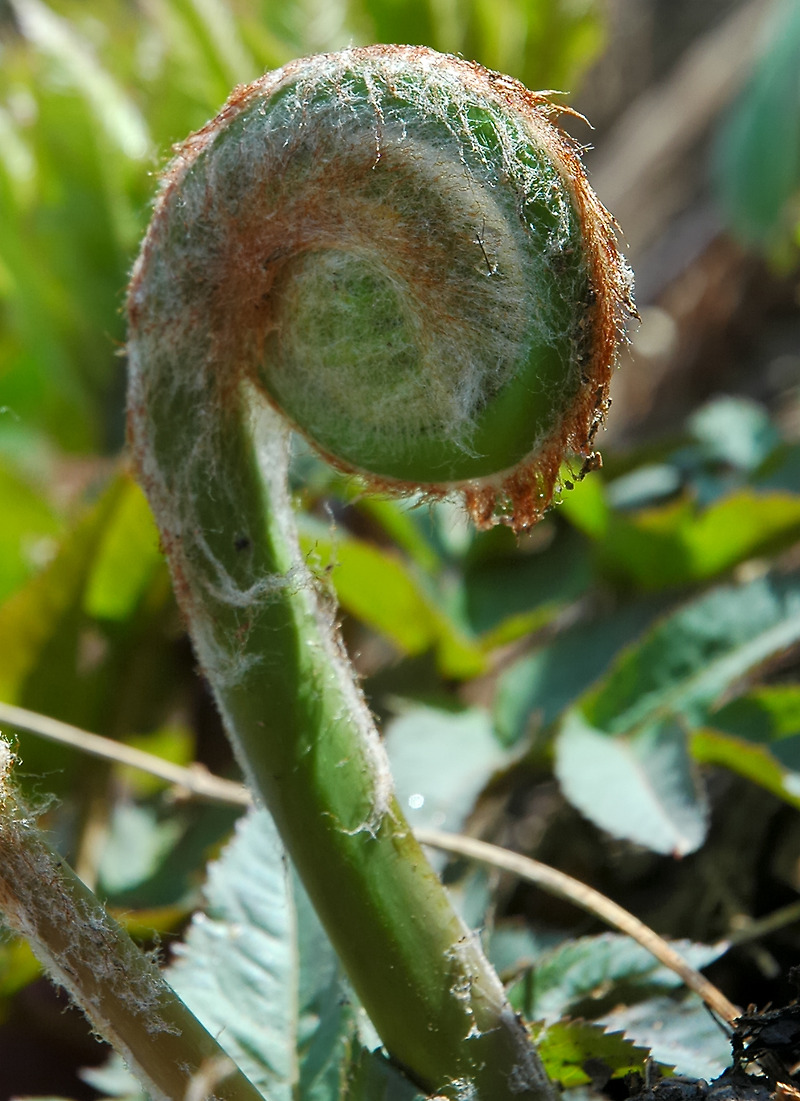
column 757, row 158
column 92, row 95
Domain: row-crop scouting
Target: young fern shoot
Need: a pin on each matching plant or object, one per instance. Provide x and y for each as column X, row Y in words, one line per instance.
column 395, row 252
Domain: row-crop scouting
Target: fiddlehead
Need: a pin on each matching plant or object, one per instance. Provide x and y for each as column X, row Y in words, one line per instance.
column 398, row 251
column 402, row 252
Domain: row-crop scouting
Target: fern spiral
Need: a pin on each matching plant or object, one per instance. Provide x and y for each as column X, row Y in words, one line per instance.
column 397, row 253
column 400, row 250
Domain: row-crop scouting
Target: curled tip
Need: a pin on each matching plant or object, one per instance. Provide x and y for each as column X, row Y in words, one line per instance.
column 400, row 249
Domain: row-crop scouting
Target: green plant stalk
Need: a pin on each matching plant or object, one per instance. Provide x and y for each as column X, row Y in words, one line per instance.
column 119, row 987
column 308, row 746
column 389, row 242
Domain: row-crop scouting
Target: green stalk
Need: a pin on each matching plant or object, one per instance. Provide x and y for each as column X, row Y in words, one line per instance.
column 308, row 746
column 301, row 249
column 119, row 988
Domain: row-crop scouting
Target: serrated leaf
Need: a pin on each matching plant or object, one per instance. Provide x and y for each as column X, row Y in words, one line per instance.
column 578, row 1053
column 258, row 972
column 640, row 786
column 680, row 1033
column 692, row 657
column 595, row 969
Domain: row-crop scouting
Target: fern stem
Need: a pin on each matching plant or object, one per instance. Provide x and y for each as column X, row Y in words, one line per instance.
column 373, row 241
column 119, row 988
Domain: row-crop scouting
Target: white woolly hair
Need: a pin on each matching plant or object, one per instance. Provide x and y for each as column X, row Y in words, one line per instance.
column 386, row 239
column 383, row 240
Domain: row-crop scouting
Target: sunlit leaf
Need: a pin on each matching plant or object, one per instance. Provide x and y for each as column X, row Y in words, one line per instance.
column 126, row 559
column 578, row 1053
column 680, row 1033
column 621, row 757
column 640, row 786
column 45, row 616
column 258, row 972
column 569, row 978
column 678, row 544
column 116, row 113
column 691, row 657
column 755, row 762
column 441, row 762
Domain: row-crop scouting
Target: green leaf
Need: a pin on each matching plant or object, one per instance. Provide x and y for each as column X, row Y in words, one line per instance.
column 755, row 762
column 601, row 969
column 678, row 544
column 758, row 152
column 27, row 532
column 441, row 762
column 641, row 786
column 45, row 616
column 509, row 594
column 644, row 485
column 102, row 674
column 135, row 846
column 380, row 589
column 513, row 947
column 399, row 521
column 258, row 972
column 126, row 559
column 58, row 38
column 679, row 1032
column 172, row 743
column 578, row 1053
column 692, row 657
column 534, row 690
column 18, row 967
column 734, row 431
column 769, row 715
